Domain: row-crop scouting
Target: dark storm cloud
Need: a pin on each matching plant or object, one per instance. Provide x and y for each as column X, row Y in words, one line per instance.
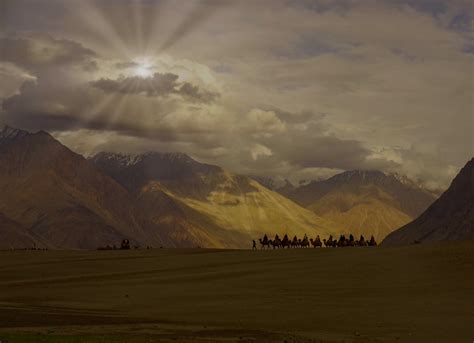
column 157, row 85
column 311, row 147
column 42, row 50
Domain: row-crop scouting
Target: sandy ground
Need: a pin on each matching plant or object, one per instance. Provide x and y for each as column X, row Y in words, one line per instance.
column 410, row 294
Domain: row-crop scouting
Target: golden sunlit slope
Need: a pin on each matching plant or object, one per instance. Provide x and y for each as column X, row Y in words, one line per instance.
column 258, row 211
column 228, row 209
column 178, row 225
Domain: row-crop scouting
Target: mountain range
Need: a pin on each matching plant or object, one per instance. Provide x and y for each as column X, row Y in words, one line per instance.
column 363, row 202
column 52, row 197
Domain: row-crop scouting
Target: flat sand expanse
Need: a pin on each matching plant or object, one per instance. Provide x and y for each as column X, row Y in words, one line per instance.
column 411, row 294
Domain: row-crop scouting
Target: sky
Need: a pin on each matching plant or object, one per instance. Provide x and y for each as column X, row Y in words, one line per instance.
column 288, row 89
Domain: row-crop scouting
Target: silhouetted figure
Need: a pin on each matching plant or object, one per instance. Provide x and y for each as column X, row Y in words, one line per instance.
column 264, row 242
column 125, row 245
column 254, row 246
column 351, row 242
column 316, row 243
column 328, row 242
column 285, row 242
column 342, row 241
column 276, row 242
column 294, row 242
column 304, row 242
column 372, row 242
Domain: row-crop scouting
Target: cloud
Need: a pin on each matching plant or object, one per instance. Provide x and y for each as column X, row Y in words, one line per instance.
column 42, row 50
column 261, row 123
column 339, row 85
column 158, row 85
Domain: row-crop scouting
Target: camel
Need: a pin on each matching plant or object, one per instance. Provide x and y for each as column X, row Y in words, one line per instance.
column 285, row 242
column 351, row 242
column 329, row 242
column 316, row 242
column 276, row 242
column 294, row 242
column 372, row 242
column 342, row 241
column 264, row 242
column 305, row 242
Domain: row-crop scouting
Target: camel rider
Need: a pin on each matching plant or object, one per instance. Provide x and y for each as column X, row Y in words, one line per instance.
column 277, row 238
column 265, row 238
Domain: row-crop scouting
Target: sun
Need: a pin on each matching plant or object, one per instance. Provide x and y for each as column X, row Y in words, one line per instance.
column 143, row 68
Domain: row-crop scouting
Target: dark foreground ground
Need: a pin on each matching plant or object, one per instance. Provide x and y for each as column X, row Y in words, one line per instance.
column 411, row 294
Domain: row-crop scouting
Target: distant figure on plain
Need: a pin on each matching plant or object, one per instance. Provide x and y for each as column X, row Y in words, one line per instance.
column 125, row 245
column 254, row 246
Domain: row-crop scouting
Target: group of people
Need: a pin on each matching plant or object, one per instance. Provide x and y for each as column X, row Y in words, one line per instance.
column 296, row 242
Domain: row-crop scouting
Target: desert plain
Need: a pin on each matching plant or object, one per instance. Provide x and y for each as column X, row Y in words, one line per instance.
column 418, row 293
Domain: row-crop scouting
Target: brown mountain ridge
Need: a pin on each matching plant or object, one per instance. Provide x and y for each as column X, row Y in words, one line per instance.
column 451, row 217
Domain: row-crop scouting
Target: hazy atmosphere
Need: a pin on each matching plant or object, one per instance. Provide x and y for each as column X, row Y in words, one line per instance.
column 281, row 88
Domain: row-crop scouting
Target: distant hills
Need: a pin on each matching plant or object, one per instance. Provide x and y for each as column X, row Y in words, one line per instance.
column 364, row 202
column 451, row 217
column 52, row 197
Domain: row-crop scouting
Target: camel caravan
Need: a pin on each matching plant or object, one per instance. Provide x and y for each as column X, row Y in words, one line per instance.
column 331, row 242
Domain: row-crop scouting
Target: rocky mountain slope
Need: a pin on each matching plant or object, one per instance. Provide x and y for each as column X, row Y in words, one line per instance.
column 451, row 217
column 58, row 197
column 364, row 202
